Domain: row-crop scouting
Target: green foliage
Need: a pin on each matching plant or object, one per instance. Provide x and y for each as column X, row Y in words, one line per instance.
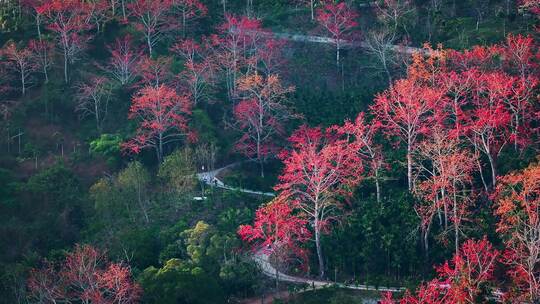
column 178, row 282
column 108, row 146
column 178, row 172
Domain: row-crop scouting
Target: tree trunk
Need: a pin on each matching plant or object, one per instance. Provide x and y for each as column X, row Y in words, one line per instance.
column 65, row 65
column 149, row 42
column 124, row 10
column 493, row 165
column 160, row 148
column 319, row 249
column 409, row 167
column 312, row 6
column 337, row 54
column 456, row 231
column 23, row 82
column 378, row 186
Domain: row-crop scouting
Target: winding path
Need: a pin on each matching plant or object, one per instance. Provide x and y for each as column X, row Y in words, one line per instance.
column 262, row 258
column 211, row 178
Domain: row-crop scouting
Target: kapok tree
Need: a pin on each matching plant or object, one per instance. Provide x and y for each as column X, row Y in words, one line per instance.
column 85, row 276
column 519, row 53
column 155, row 72
column 339, row 20
column 362, row 134
column 42, row 51
column 444, row 171
column 189, row 10
column 36, row 9
column 199, row 68
column 320, row 171
column 392, row 13
column 278, row 231
column 460, row 280
column 404, row 111
column 22, row 61
column 237, row 43
column 488, row 122
column 69, row 21
column 93, row 98
column 518, row 210
column 152, row 18
column 124, row 60
column 163, row 118
column 260, row 116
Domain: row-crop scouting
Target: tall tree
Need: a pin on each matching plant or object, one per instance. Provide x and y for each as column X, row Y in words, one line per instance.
column 153, row 19
column 319, row 171
column 445, row 173
column 518, row 210
column 163, row 118
column 93, row 99
column 189, row 10
column 277, row 231
column 85, row 276
column 362, row 134
column 339, row 20
column 488, row 123
column 23, row 61
column 460, row 280
column 124, row 60
column 43, row 54
column 69, row 21
column 238, row 41
column 199, row 68
column 404, row 110
column 261, row 115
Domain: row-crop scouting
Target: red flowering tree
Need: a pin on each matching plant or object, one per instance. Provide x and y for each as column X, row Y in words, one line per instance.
column 152, row 18
column 199, row 68
column 22, row 60
column 320, row 170
column 85, row 276
column 488, row 123
column 519, row 54
column 260, row 116
column 459, row 281
column 155, row 72
column 163, row 118
column 278, row 231
column 42, row 51
column 444, row 171
column 69, row 21
column 93, row 98
column 362, row 134
column 404, row 111
column 339, row 20
column 518, row 210
column 238, row 41
column 124, row 60
column 189, row 10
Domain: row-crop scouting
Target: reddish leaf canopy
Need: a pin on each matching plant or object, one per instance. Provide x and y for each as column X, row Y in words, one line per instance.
column 318, row 170
column 152, row 18
column 338, row 19
column 85, row 276
column 260, row 116
column 163, row 118
column 404, row 110
column 459, row 281
column 517, row 206
column 124, row 60
column 276, row 227
column 23, row 61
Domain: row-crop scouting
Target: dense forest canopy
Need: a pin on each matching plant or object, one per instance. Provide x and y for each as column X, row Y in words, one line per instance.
column 269, row 151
